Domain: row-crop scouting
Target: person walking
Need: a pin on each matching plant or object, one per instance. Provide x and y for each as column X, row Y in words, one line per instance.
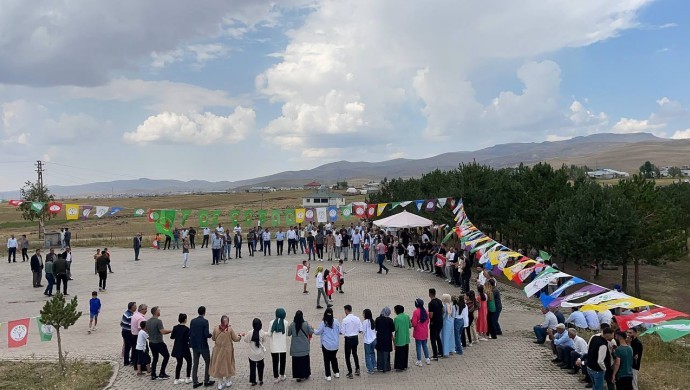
column 320, row 288
column 198, row 340
column 180, row 350
column 60, row 271
column 37, row 268
column 102, row 263
column 300, row 333
column 12, row 249
column 402, row 325
column 351, row 328
column 420, row 331
column 185, row 252
column 435, row 324
column 136, row 244
column 369, row 339
column 156, row 331
column 384, row 340
column 223, row 356
column 278, row 337
column 329, row 330
column 381, row 250
column 50, row 276
column 128, row 344
column 257, row 352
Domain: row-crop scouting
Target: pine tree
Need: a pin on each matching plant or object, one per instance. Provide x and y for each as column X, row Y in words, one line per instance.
column 60, row 315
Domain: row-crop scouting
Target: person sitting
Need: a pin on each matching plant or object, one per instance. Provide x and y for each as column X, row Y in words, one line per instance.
column 559, row 316
column 559, row 339
column 550, row 322
column 605, row 317
column 578, row 352
column 592, row 320
column 577, row 319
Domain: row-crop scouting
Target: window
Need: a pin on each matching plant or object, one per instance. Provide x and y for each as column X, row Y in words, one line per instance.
column 308, row 200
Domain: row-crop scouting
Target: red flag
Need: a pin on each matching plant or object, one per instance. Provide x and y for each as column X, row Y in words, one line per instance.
column 371, row 210
column 54, row 207
column 17, row 331
column 451, row 203
column 301, row 274
column 15, row 203
column 334, row 271
column 440, row 260
column 653, row 316
column 359, row 210
column 329, row 285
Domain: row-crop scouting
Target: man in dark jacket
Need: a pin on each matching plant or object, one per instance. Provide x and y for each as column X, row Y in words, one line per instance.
column 102, row 263
column 60, row 272
column 198, row 339
column 136, row 244
column 37, row 267
column 599, row 357
column 238, row 245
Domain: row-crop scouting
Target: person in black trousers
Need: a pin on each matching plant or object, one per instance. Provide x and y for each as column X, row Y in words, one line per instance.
column 466, row 274
column 180, row 350
column 198, row 340
column 237, row 240
column 128, row 341
column 435, row 324
column 499, row 307
column 192, row 234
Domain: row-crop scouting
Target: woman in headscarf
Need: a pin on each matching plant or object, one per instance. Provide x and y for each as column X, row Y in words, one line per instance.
column 402, row 338
column 300, row 333
column 420, row 332
column 329, row 330
column 384, row 340
column 447, row 336
column 223, row 356
column 278, row 336
column 256, row 352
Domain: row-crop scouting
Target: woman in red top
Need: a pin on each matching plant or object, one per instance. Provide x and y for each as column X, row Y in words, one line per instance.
column 420, row 331
column 482, row 312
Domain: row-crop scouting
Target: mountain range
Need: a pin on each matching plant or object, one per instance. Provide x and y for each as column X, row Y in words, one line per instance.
column 625, row 152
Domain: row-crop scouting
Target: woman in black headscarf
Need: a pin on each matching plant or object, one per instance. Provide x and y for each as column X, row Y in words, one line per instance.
column 384, row 340
column 300, row 333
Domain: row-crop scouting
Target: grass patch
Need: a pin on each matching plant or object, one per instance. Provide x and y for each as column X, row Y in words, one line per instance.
column 665, row 366
column 44, row 375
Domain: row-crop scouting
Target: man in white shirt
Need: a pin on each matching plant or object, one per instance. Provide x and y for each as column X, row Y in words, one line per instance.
column 207, row 233
column 356, row 240
column 292, row 240
column 12, row 249
column 280, row 239
column 578, row 351
column 237, row 229
column 550, row 322
column 338, row 245
column 185, row 233
column 577, row 318
column 266, row 238
column 605, row 317
column 216, row 245
column 220, row 229
column 350, row 328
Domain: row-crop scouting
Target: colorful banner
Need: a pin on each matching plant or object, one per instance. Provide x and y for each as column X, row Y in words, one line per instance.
column 371, row 211
column 441, row 202
column 166, row 222
column 330, row 288
column 346, row 211
column 670, row 330
column 234, row 217
column 290, row 217
column 45, row 331
column 394, row 205
column 607, row 296
column 139, row 212
column 321, row 214
column 203, row 218
column 86, row 211
column 275, row 218
column 547, row 299
column 359, row 210
column 542, row 280
column 380, row 207
column 626, row 303
column 101, row 211
column 37, row 206
column 309, row 215
column 17, row 332
column 262, row 215
column 153, row 215
column 588, row 290
column 301, row 274
column 115, row 210
column 653, row 316
column 185, row 216
column 333, row 213
column 15, row 203
column 419, row 203
column 215, row 214
column 299, row 215
column 430, row 206
column 54, row 207
column 72, row 212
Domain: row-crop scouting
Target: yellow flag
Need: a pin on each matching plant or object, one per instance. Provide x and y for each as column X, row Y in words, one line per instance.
column 515, row 268
column 299, row 215
column 72, row 211
column 626, row 303
column 380, row 208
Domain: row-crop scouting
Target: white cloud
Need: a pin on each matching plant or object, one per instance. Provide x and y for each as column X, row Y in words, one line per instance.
column 194, row 128
column 385, row 59
column 671, row 115
column 627, row 125
column 207, row 52
column 161, row 60
column 582, row 116
column 681, row 134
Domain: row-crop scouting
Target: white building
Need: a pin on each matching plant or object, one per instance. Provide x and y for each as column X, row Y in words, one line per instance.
column 323, row 198
column 606, row 173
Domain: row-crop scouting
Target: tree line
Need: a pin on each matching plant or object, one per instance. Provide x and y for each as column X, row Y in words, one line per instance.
column 562, row 211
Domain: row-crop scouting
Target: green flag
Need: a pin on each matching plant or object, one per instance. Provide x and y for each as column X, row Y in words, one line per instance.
column 214, row 217
column 139, row 212
column 165, row 222
column 262, row 215
column 448, row 236
column 275, row 218
column 46, row 331
column 670, row 330
column 394, row 205
column 203, row 218
column 185, row 215
column 37, row 206
column 346, row 211
column 234, row 217
column 290, row 217
column 544, row 255
column 248, row 217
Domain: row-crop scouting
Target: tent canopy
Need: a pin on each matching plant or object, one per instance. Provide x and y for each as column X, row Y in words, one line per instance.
column 404, row 219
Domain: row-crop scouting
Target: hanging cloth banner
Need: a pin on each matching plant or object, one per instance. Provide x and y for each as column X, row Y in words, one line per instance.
column 625, row 303
column 441, row 202
column 15, row 203
column 290, row 217
column 321, row 215
column 394, row 205
column 139, row 212
column 430, row 205
column 607, row 296
column 511, row 271
column 299, row 215
column 275, row 218
column 346, row 211
column 86, row 211
column 215, row 214
column 359, row 210
column 203, row 218
column 380, row 207
column 309, row 215
column 71, row 211
column 262, row 215
column 17, row 332
column 542, row 280
column 153, row 215
column 653, row 316
column 101, row 211
column 419, row 203
column 451, row 203
column 405, row 203
column 54, row 207
column 547, row 299
column 165, row 222
column 37, row 206
column 234, row 217
column 45, row 331
column 371, row 211
column 333, row 213
column 590, row 289
column 185, row 215
column 670, row 330
column 114, row 211
column 248, row 216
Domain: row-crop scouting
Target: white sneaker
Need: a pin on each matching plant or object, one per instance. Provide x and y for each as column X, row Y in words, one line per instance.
column 188, row 381
column 178, row 381
column 220, row 386
column 337, row 375
column 228, row 383
column 428, row 361
column 418, row 363
column 328, row 378
column 282, row 378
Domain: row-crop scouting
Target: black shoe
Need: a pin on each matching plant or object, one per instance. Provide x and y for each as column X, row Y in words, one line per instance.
column 538, row 342
column 435, row 358
column 357, row 372
column 329, row 305
column 319, row 307
column 589, row 385
column 573, row 371
column 556, row 360
column 163, row 376
column 209, row 383
column 197, row 385
column 349, row 376
column 153, row 377
column 386, row 271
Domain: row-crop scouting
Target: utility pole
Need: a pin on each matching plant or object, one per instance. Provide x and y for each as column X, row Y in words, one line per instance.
column 39, row 170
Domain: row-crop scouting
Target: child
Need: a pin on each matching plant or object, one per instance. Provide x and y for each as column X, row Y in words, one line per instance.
column 142, row 347
column 365, row 250
column 256, row 352
column 410, row 255
column 180, row 333
column 327, row 285
column 341, row 272
column 94, row 309
column 306, row 276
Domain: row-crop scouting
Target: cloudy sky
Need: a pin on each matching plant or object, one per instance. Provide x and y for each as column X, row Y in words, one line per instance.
column 228, row 90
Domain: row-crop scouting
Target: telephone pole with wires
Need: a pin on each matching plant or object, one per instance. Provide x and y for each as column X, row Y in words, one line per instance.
column 39, row 171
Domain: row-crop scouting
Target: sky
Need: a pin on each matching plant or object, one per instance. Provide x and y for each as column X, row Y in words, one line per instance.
column 235, row 89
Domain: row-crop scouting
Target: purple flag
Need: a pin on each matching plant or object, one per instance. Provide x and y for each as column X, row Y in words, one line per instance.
column 586, row 291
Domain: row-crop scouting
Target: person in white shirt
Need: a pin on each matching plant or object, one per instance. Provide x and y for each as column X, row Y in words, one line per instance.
column 338, row 244
column 592, row 320
column 237, row 229
column 143, row 358
column 62, row 239
column 280, row 239
column 266, row 238
column 351, row 327
column 410, row 256
column 207, row 234
column 605, row 317
column 12, row 249
column 277, row 333
column 320, row 288
column 550, row 322
column 577, row 318
column 369, row 340
column 292, row 240
column 220, row 229
column 579, row 350
column 68, row 259
column 356, row 241
column 185, row 233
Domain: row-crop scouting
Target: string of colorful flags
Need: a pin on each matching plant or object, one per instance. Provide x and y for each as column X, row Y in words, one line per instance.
column 18, row 331
column 497, row 258
column 165, row 219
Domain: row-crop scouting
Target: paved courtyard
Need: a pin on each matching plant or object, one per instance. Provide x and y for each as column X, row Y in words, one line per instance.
column 253, row 287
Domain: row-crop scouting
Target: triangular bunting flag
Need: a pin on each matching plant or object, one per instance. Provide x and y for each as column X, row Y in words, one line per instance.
column 419, row 203
column 101, row 210
column 405, row 203
column 441, row 202
column 430, row 205
column 115, row 210
column 380, row 207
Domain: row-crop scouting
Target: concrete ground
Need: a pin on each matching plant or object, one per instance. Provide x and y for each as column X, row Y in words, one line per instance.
column 254, row 287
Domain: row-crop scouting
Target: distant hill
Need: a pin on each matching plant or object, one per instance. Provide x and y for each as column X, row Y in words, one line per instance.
column 618, row 151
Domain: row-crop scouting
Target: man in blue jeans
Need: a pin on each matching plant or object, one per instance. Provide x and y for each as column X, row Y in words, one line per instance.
column 599, row 358
column 550, row 322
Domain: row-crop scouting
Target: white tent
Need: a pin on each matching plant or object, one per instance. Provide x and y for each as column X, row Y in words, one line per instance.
column 403, row 220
